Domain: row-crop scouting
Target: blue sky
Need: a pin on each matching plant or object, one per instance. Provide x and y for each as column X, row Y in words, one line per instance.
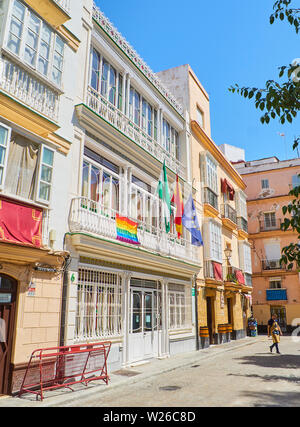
column 225, row 42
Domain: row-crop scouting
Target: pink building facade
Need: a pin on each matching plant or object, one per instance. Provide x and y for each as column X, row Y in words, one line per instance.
column 275, row 289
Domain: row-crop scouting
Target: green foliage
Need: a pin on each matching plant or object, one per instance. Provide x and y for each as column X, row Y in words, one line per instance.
column 282, row 11
column 282, row 101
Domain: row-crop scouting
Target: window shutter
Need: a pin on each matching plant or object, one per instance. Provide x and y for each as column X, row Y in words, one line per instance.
column 206, row 239
column 202, row 161
column 241, row 256
column 238, row 204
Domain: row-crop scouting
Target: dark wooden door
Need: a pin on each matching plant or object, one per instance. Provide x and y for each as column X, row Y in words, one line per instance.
column 8, row 290
column 229, row 311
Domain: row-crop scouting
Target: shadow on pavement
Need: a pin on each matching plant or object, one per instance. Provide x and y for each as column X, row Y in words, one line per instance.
column 266, row 378
column 274, row 399
column 286, row 361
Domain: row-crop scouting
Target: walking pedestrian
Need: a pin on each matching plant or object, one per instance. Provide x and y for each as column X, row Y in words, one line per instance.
column 275, row 331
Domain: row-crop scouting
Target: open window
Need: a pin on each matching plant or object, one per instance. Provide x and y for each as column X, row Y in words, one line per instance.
column 26, row 167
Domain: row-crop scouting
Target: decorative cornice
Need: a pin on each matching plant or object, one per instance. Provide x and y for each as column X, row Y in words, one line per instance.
column 129, row 51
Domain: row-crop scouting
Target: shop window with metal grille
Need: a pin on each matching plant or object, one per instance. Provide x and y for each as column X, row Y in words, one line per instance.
column 99, row 304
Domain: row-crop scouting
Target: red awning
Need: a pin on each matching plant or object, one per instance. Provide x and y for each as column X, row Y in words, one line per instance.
column 240, row 277
column 218, row 274
column 226, row 187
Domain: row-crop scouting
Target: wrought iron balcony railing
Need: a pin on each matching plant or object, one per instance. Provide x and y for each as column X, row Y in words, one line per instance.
column 242, row 224
column 211, row 198
column 229, row 212
column 273, row 224
column 279, row 294
column 89, row 216
column 272, row 264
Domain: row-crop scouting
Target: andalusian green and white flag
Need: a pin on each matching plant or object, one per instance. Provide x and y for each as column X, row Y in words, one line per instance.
column 164, row 195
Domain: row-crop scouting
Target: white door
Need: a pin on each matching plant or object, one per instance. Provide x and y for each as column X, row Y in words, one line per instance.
column 144, row 324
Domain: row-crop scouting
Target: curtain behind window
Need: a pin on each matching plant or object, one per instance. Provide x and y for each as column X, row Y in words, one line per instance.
column 22, row 167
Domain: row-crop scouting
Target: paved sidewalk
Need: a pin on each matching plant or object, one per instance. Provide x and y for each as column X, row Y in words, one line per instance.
column 134, row 374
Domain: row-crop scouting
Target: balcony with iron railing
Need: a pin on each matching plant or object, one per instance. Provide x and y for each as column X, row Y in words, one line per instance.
column 16, row 81
column 89, row 216
column 242, row 224
column 229, row 213
column 211, row 198
column 278, row 294
column 115, row 117
column 213, row 270
column 270, row 225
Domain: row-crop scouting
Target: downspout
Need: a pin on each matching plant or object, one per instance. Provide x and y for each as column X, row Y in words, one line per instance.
column 196, row 311
column 64, row 298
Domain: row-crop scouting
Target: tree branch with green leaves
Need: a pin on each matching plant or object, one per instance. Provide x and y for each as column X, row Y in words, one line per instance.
column 281, row 100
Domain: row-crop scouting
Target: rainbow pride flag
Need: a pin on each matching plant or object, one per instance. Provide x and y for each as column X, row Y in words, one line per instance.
column 126, row 230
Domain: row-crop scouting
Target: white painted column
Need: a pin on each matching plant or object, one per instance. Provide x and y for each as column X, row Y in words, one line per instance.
column 128, row 199
column 124, row 206
column 71, row 301
column 124, row 93
column 187, row 142
column 127, row 95
column 159, row 126
column 126, row 276
column 165, row 319
column 161, row 129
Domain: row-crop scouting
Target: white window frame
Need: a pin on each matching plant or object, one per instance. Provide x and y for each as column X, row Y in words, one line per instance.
column 21, row 54
column 42, row 146
column 295, row 177
column 247, row 258
column 211, row 174
column 200, row 115
column 243, row 206
column 4, row 166
column 102, row 170
column 41, row 164
column 275, row 279
column 215, row 236
column 271, row 219
column 147, row 119
column 180, row 321
column 265, row 184
column 91, row 295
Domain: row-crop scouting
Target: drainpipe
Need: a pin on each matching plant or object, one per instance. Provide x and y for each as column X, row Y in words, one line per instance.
column 196, row 311
column 64, row 298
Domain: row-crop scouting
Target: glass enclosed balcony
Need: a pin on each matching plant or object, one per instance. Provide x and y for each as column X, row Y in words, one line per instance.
column 25, row 87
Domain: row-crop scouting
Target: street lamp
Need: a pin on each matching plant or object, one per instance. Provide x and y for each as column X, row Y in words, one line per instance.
column 228, row 253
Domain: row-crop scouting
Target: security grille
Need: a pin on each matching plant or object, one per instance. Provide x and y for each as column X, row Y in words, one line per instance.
column 99, row 304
